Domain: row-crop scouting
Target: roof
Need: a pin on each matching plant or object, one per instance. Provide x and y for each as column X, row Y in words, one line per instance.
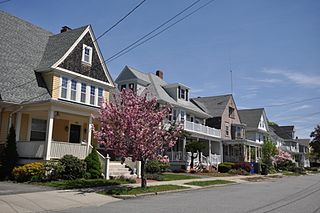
column 304, row 142
column 285, row 132
column 213, row 105
column 251, row 117
column 58, row 45
column 22, row 46
column 156, row 88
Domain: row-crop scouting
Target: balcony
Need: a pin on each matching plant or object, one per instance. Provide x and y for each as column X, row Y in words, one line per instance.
column 202, row 129
column 289, row 148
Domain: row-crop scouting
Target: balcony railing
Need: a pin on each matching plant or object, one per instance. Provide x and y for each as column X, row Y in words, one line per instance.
column 31, row 149
column 59, row 149
column 202, row 129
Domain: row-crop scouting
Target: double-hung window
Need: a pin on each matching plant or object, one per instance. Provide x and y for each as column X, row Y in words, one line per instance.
column 83, row 92
column 64, row 87
column 100, row 96
column 73, row 90
column 92, row 95
column 38, row 130
column 87, row 54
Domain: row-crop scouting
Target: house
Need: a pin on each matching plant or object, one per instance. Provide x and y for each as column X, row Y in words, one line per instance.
column 177, row 96
column 224, row 115
column 298, row 148
column 51, row 85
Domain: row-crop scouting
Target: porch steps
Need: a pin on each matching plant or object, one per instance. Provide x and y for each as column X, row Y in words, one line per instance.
column 116, row 169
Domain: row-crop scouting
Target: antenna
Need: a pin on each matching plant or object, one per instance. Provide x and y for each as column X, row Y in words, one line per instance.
column 231, row 82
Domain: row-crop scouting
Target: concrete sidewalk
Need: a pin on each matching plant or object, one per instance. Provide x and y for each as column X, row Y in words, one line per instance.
column 51, row 201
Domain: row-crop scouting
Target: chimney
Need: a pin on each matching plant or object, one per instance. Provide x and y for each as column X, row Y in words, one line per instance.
column 65, row 29
column 297, row 138
column 159, row 73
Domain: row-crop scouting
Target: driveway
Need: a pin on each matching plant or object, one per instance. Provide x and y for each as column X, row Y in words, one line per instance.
column 9, row 188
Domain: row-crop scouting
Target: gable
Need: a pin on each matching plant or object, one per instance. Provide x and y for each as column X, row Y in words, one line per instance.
column 73, row 61
column 125, row 75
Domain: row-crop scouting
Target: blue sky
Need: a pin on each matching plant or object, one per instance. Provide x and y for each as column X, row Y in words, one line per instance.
column 272, row 46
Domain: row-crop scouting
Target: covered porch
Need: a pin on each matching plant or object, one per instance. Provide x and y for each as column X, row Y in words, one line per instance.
column 241, row 151
column 51, row 131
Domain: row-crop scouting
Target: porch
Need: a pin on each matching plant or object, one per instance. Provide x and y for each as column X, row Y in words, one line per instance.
column 44, row 133
column 241, row 151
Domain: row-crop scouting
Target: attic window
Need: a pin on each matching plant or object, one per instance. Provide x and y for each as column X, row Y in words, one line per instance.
column 86, row 54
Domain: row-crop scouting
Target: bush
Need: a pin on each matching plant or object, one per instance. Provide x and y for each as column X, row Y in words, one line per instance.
column 155, row 166
column 93, row 165
column 32, row 171
column 242, row 165
column 239, row 171
column 286, row 165
column 74, row 168
column 53, row 170
column 153, row 177
column 225, row 167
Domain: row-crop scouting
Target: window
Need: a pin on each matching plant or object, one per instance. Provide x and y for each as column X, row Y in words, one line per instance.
column 182, row 94
column 227, row 130
column 38, row 130
column 73, row 90
column 174, row 114
column 64, row 87
column 83, row 92
column 100, row 96
column 182, row 116
column 231, row 112
column 131, row 86
column 238, row 132
column 92, row 95
column 123, row 86
column 87, row 54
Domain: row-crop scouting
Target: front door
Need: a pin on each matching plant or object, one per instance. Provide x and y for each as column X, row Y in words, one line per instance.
column 74, row 136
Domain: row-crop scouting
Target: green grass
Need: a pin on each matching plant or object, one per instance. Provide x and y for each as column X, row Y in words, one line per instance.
column 84, row 183
column 216, row 174
column 148, row 189
column 291, row 174
column 170, row 176
column 209, row 182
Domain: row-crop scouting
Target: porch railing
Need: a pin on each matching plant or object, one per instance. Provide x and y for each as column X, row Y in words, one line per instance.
column 31, row 149
column 199, row 128
column 175, row 156
column 289, row 148
column 59, row 149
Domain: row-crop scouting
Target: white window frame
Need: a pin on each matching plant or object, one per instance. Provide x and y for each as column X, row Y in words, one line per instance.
column 30, row 126
column 100, row 96
column 83, row 93
column 62, row 87
column 83, row 54
column 94, row 95
column 73, row 90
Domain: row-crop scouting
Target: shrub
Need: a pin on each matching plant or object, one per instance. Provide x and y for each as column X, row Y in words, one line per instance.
column 239, row 171
column 93, row 165
column 53, row 169
column 225, row 167
column 286, row 165
column 155, row 166
column 73, row 167
column 242, row 165
column 32, row 171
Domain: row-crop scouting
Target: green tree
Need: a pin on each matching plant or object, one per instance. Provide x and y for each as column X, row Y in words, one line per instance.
column 194, row 147
column 9, row 157
column 315, row 142
column 269, row 150
column 93, row 164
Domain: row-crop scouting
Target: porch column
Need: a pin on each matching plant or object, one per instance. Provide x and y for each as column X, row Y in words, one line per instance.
column 256, row 153
column 49, row 133
column 210, row 151
column 249, row 157
column 89, row 129
column 184, row 148
column 18, row 125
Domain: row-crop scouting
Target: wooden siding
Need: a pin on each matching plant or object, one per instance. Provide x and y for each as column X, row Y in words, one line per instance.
column 59, row 132
column 24, row 127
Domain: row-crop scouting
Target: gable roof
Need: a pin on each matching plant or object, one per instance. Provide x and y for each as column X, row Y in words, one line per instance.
column 22, row 46
column 156, row 88
column 251, row 117
column 213, row 105
column 284, row 132
column 58, row 45
column 304, row 142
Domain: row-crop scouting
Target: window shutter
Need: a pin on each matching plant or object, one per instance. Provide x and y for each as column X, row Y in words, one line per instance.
column 179, row 92
column 187, row 94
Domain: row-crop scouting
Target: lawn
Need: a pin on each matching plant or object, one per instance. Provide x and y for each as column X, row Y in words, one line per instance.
column 172, row 176
column 291, row 174
column 216, row 174
column 148, row 189
column 84, row 183
column 209, row 182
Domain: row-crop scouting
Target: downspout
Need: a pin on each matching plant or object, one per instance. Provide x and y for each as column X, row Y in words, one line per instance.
column 1, row 116
column 10, row 116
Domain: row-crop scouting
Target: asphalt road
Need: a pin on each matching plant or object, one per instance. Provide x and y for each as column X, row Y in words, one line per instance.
column 9, row 188
column 288, row 194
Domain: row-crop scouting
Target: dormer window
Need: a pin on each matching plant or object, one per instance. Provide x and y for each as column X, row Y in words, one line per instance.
column 182, row 94
column 87, row 54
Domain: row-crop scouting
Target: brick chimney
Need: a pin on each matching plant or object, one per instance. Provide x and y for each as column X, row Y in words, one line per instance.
column 65, row 29
column 159, row 73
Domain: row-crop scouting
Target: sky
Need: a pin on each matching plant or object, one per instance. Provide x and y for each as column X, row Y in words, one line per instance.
column 271, row 46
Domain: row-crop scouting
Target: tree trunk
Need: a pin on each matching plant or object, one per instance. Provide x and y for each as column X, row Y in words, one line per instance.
column 143, row 178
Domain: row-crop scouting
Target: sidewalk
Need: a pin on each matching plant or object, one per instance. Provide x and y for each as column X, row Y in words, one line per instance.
column 51, row 201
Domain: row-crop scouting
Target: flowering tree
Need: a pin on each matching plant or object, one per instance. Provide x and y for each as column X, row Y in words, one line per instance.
column 283, row 160
column 133, row 127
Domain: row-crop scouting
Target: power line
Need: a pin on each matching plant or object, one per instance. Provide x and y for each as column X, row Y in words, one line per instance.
column 173, row 24
column 155, row 29
column 118, row 22
column 5, row 1
column 294, row 102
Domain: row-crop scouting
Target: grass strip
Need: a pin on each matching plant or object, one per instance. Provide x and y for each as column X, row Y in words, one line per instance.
column 209, row 182
column 148, row 189
column 84, row 183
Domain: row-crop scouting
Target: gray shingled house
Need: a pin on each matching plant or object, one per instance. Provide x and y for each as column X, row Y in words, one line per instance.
column 50, row 86
column 176, row 95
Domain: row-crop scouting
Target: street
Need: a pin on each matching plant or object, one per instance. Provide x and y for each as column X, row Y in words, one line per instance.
column 288, row 194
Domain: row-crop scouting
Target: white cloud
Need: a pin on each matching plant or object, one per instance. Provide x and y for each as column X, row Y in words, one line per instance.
column 297, row 77
column 266, row 80
column 305, row 106
column 248, row 96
